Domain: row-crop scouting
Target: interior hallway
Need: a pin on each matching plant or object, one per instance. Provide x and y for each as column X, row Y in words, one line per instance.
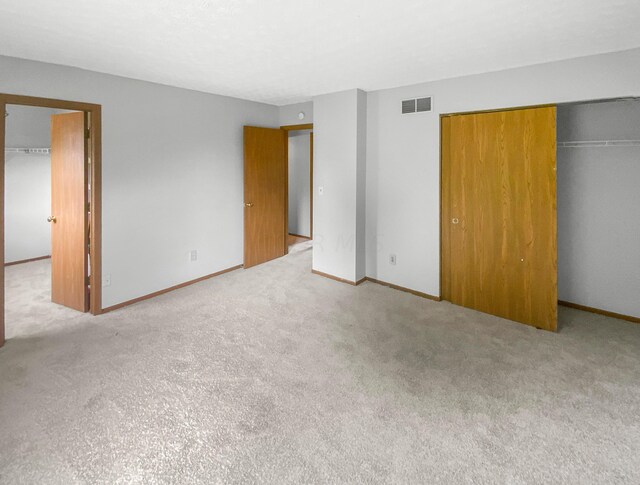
column 295, row 240
column 234, row 379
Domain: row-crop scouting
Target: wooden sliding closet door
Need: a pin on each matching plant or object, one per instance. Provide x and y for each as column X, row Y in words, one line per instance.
column 499, row 205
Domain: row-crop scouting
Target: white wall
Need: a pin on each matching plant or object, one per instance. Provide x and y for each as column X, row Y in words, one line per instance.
column 599, row 208
column 27, row 184
column 361, row 183
column 299, row 180
column 28, row 127
column 172, row 172
column 403, row 175
column 288, row 114
column 27, row 206
column 338, row 168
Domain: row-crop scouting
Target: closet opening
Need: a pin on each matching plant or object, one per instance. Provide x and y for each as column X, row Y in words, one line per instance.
column 51, row 206
column 539, row 207
column 598, row 175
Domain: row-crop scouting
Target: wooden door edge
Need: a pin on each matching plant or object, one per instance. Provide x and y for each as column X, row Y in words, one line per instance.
column 304, row 126
column 311, row 184
column 445, row 209
column 285, row 142
column 3, row 123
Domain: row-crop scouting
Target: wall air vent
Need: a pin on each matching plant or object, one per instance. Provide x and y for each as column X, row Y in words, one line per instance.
column 419, row 105
column 408, row 106
column 424, row 104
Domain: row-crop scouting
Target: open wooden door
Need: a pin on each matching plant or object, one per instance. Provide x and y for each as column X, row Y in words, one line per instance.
column 69, row 215
column 265, row 194
column 499, row 214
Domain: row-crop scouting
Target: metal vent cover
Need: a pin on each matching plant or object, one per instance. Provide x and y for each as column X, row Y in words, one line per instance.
column 408, row 106
column 420, row 105
column 423, row 104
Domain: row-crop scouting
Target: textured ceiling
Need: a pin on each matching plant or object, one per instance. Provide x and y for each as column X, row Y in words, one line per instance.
column 282, row 51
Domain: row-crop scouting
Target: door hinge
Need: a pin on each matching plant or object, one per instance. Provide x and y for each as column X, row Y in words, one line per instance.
column 87, row 133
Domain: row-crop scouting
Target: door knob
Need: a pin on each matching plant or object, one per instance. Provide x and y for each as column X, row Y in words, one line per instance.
column 455, row 220
column 51, row 219
column 249, row 204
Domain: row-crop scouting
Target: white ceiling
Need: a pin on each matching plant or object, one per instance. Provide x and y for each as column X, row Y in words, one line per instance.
column 284, row 51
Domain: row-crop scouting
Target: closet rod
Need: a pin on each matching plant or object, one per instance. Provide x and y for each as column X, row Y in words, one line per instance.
column 39, row 151
column 599, row 143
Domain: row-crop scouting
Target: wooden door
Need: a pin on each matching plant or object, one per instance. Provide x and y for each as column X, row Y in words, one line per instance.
column 500, row 214
column 2, row 164
column 69, row 215
column 310, row 185
column 265, row 194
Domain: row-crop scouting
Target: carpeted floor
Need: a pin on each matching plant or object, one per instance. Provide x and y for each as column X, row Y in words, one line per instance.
column 275, row 375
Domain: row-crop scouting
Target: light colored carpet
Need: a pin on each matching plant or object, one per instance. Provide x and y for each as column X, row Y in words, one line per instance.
column 275, row 375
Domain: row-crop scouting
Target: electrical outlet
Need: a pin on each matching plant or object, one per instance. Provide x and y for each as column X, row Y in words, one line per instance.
column 106, row 280
column 392, row 259
column 193, row 255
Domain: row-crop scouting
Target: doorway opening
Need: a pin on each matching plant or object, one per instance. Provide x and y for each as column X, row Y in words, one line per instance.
column 51, row 203
column 299, row 186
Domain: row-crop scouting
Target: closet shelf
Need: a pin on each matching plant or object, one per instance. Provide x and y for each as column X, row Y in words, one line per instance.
column 599, row 143
column 31, row 151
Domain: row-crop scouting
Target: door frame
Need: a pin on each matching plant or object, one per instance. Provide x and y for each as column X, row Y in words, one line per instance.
column 94, row 112
column 288, row 129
